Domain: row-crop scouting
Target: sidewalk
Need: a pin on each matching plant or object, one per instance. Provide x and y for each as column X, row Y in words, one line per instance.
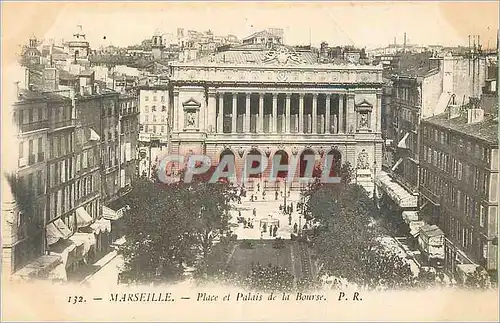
column 106, row 261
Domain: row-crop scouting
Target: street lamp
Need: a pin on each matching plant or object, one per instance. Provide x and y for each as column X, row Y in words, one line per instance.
column 284, row 207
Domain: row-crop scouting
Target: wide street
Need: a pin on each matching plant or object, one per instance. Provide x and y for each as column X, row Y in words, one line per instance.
column 266, row 210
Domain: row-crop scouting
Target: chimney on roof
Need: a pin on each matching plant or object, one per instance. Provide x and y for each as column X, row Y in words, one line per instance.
column 475, row 114
column 453, row 111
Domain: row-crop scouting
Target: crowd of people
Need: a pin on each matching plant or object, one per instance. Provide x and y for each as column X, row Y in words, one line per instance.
column 288, row 209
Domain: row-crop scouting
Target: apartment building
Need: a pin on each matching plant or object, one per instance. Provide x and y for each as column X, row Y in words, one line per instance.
column 459, row 185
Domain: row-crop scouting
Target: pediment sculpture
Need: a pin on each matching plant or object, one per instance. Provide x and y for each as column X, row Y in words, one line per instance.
column 362, row 162
column 282, row 55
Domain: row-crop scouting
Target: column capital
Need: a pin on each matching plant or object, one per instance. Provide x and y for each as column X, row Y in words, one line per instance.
column 262, row 94
column 212, row 92
column 315, row 95
column 302, row 95
column 288, row 95
column 328, row 95
column 350, row 95
column 248, row 94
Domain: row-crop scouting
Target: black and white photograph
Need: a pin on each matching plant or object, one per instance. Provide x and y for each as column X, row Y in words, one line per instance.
column 250, row 161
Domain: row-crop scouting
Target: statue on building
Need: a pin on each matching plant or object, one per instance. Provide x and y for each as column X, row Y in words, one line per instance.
column 363, row 160
column 191, row 120
column 363, row 121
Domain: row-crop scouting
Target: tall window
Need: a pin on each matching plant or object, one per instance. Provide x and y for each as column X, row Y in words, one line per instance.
column 39, row 183
column 21, row 149
column 30, row 152
column 40, row 149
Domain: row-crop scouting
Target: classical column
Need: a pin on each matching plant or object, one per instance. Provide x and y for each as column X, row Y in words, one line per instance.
column 220, row 115
column 315, row 114
column 211, row 112
column 233, row 119
column 301, row 113
column 260, row 123
column 327, row 114
column 377, row 113
column 246, row 127
column 275, row 113
column 177, row 112
column 340, row 123
column 351, row 118
column 287, row 113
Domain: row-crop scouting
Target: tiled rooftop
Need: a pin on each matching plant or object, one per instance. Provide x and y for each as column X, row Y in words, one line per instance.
column 486, row 130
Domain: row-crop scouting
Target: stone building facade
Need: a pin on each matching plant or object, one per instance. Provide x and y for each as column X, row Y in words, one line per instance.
column 459, row 184
column 275, row 100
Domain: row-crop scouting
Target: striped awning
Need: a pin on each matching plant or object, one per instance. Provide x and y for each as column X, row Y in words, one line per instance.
column 110, row 214
column 83, row 219
column 57, row 230
column 396, row 192
column 101, row 225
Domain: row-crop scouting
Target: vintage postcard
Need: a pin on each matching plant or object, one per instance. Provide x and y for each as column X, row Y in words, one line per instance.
column 250, row 161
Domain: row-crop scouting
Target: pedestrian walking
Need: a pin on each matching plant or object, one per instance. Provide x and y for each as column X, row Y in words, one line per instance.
column 258, row 187
column 295, row 227
column 271, row 230
column 276, row 195
column 254, row 212
column 290, row 219
column 275, row 231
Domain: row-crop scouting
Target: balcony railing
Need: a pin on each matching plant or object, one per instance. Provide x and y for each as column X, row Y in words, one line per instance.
column 38, row 125
column 62, row 124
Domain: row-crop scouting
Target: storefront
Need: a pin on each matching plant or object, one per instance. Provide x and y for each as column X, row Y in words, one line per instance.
column 102, row 231
column 116, row 219
column 72, row 248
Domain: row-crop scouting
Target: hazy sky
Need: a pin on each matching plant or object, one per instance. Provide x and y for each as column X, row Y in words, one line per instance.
column 369, row 24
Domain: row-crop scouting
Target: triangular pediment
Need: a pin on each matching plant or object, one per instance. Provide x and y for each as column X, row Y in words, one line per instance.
column 191, row 103
column 364, row 104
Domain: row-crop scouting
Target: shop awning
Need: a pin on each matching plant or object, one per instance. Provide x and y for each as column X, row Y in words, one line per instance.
column 57, row 230
column 64, row 249
column 61, row 226
column 101, row 225
column 87, row 240
column 400, row 160
column 110, row 214
column 83, row 219
column 396, row 192
column 40, row 267
column 415, row 227
column 94, row 136
column 402, row 143
column 410, row 216
column 53, row 234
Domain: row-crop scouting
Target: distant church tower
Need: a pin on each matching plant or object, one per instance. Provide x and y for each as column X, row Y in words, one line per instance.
column 157, row 45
